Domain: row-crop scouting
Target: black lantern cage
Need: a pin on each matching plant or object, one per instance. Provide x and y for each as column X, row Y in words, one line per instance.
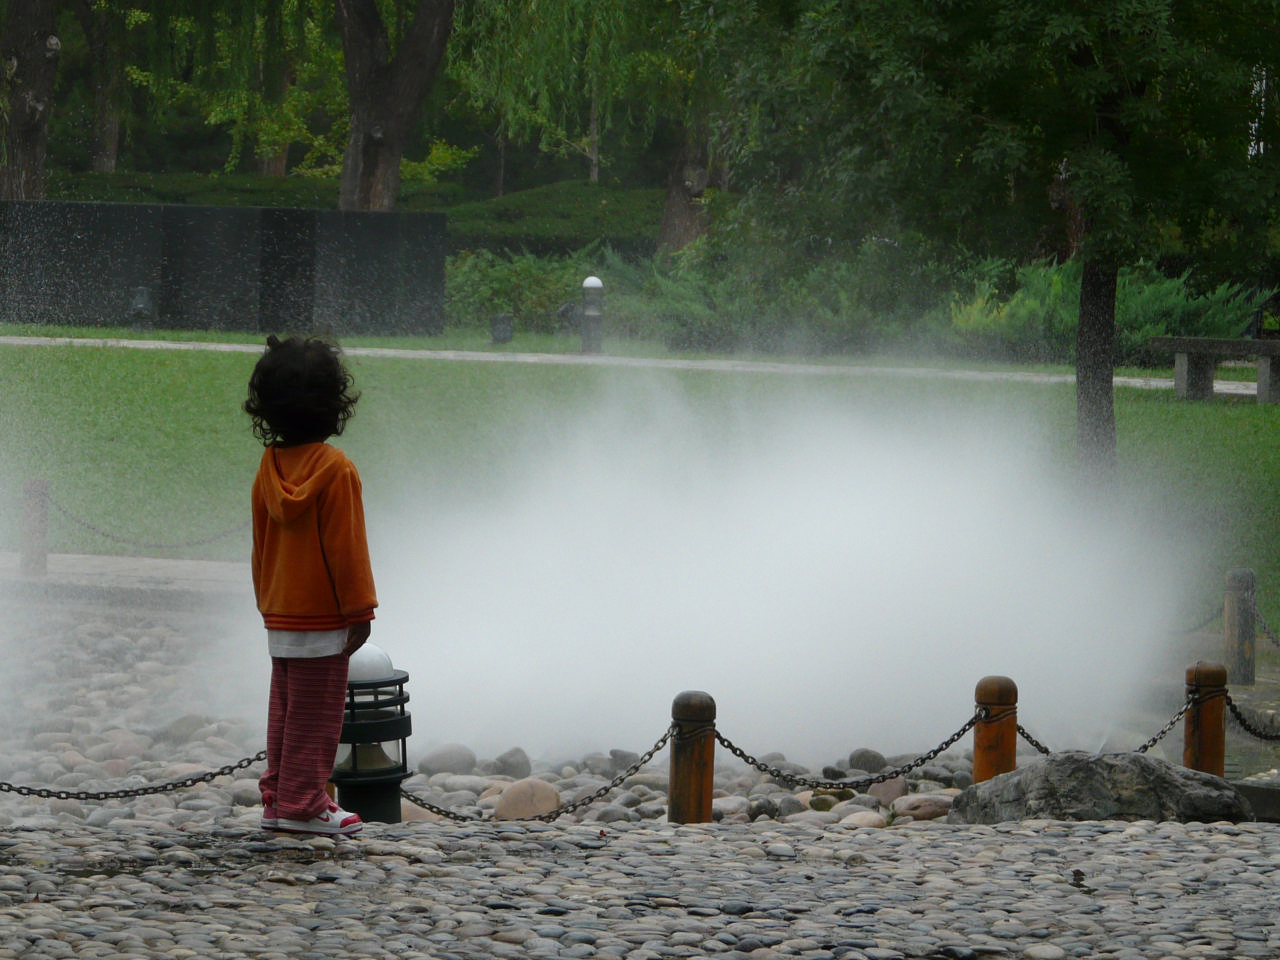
column 371, row 761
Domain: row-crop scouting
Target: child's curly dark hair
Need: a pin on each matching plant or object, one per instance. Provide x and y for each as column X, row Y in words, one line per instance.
column 300, row 392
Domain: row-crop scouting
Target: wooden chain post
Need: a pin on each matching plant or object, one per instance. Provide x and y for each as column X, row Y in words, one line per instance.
column 693, row 747
column 995, row 736
column 1204, row 744
column 35, row 528
column 1238, row 624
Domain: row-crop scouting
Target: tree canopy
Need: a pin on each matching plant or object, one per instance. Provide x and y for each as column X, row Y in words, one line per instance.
column 1101, row 129
column 1124, row 125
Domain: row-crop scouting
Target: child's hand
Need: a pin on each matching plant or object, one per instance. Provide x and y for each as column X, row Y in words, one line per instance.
column 357, row 634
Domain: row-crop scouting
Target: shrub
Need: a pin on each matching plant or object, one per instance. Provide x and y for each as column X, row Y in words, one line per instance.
column 1038, row 320
column 482, row 284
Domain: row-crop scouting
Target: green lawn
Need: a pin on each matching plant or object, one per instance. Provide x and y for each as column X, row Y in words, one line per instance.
column 149, row 448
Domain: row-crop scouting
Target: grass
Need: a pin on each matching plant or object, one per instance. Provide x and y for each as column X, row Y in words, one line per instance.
column 150, row 447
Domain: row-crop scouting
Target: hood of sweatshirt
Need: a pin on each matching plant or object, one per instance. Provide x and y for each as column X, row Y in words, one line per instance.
column 292, row 477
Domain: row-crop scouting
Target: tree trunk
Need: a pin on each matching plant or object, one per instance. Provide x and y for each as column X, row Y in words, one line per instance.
column 682, row 215
column 593, row 137
column 106, row 73
column 106, row 132
column 386, row 93
column 29, row 52
column 1095, row 371
column 500, row 177
column 276, row 165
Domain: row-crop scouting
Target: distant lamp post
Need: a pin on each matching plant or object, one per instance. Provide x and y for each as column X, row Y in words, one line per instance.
column 371, row 764
column 502, row 328
column 592, row 314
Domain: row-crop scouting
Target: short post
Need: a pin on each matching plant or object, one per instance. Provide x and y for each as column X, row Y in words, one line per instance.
column 35, row 528
column 995, row 737
column 692, row 758
column 592, row 314
column 502, row 328
column 1239, row 625
column 1204, row 743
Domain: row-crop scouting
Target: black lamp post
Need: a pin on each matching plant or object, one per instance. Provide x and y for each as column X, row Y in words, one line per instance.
column 371, row 762
column 592, row 314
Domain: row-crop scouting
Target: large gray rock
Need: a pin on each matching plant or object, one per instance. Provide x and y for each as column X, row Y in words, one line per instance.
column 514, row 763
column 448, row 758
column 1115, row 786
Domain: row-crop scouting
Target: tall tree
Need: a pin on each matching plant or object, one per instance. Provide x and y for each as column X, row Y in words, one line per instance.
column 29, row 53
column 1127, row 118
column 390, row 69
column 564, row 70
column 105, row 28
column 551, row 70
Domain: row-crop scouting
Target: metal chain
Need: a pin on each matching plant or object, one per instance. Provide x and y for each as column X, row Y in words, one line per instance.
column 1040, row 747
column 1246, row 724
column 1258, row 619
column 881, row 777
column 1190, row 702
column 93, row 528
column 566, row 808
column 152, row 788
column 1216, row 615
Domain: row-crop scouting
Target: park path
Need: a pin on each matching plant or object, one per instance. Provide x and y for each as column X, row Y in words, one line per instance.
column 1246, row 388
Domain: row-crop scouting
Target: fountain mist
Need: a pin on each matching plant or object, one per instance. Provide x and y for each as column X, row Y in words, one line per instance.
column 835, row 576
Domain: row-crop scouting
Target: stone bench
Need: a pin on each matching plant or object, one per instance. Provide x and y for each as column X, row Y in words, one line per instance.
column 1196, row 358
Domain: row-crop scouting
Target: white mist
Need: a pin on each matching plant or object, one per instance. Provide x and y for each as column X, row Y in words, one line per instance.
column 835, row 576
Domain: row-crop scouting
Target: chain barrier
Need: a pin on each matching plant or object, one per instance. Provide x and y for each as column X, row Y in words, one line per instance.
column 1039, row 747
column 1164, row 731
column 1258, row 618
column 148, row 790
column 568, row 808
column 1213, row 617
column 560, row 811
column 94, row 528
column 793, row 780
column 1248, row 725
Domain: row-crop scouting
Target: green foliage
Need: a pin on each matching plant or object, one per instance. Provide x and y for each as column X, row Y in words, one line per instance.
column 1037, row 320
column 557, row 72
column 277, row 83
column 442, row 158
column 531, row 289
column 560, row 218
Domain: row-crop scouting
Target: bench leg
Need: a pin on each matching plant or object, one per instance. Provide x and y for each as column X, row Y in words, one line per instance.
column 1193, row 376
column 1268, row 388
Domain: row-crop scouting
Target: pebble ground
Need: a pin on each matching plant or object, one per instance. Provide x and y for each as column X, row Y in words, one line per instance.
column 193, row 876
column 221, row 888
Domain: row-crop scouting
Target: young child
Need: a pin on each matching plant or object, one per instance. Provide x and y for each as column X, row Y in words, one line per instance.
column 311, row 575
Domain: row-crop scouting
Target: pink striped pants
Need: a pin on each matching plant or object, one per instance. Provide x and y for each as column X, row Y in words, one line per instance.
column 304, row 722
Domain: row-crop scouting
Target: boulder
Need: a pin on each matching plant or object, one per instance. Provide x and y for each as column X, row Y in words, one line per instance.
column 1116, row 786
column 889, row 790
column 922, row 806
column 722, row 807
column 866, row 759
column 530, row 797
column 514, row 763
column 865, row 818
column 448, row 758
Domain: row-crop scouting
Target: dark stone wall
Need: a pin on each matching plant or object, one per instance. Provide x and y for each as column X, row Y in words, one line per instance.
column 221, row 268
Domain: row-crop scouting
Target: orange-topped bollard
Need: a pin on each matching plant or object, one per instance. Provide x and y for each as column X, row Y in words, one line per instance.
column 693, row 747
column 995, row 736
column 1204, row 744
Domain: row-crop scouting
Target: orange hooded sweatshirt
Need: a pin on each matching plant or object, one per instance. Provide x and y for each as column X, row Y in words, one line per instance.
column 310, row 559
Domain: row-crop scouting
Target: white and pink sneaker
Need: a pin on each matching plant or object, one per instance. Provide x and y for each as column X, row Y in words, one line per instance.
column 332, row 822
